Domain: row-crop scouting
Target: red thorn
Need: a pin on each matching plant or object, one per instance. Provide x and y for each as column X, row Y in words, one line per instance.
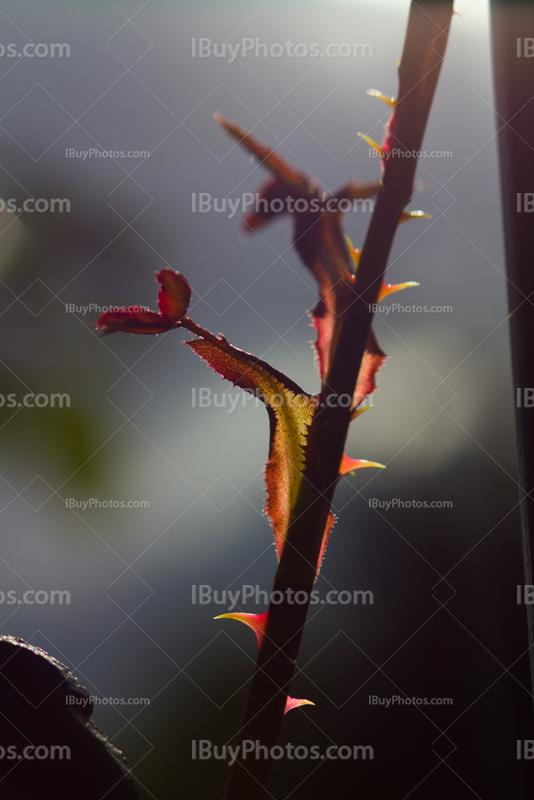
column 256, row 622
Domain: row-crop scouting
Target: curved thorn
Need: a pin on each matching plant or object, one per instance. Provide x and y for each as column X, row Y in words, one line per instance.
column 348, row 465
column 292, row 703
column 256, row 622
column 406, row 215
column 389, row 288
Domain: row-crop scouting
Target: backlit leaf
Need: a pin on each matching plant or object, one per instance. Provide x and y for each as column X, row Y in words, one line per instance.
column 133, row 321
column 173, row 299
column 266, row 156
column 290, row 412
column 319, row 240
column 174, row 295
column 373, row 359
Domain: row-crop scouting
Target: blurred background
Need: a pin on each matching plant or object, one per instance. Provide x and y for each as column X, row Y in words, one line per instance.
column 444, row 621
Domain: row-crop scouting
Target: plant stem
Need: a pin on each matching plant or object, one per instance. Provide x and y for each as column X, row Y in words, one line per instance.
column 512, row 23
column 424, row 50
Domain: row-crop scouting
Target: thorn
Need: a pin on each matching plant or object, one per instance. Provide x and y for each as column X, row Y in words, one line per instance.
column 406, row 215
column 390, row 101
column 354, row 253
column 292, row 703
column 348, row 465
column 372, row 143
column 256, row 622
column 386, row 288
column 356, row 412
column 389, row 288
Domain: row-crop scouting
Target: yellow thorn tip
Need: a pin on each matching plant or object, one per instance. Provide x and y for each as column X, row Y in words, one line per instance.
column 353, row 252
column 358, row 411
column 389, row 288
column 390, row 101
column 349, row 465
column 406, row 215
column 238, row 616
column 292, row 703
column 371, row 142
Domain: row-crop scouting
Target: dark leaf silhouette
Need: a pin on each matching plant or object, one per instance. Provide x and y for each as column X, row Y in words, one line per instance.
column 52, row 749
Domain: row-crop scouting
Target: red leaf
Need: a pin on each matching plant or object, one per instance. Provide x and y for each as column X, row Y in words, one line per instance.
column 329, row 525
column 133, row 322
column 318, row 238
column 319, row 241
column 373, row 359
column 273, row 192
column 290, row 413
column 174, row 295
column 173, row 299
column 280, row 168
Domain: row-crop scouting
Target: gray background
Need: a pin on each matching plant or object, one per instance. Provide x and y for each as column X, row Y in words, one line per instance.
column 445, row 622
